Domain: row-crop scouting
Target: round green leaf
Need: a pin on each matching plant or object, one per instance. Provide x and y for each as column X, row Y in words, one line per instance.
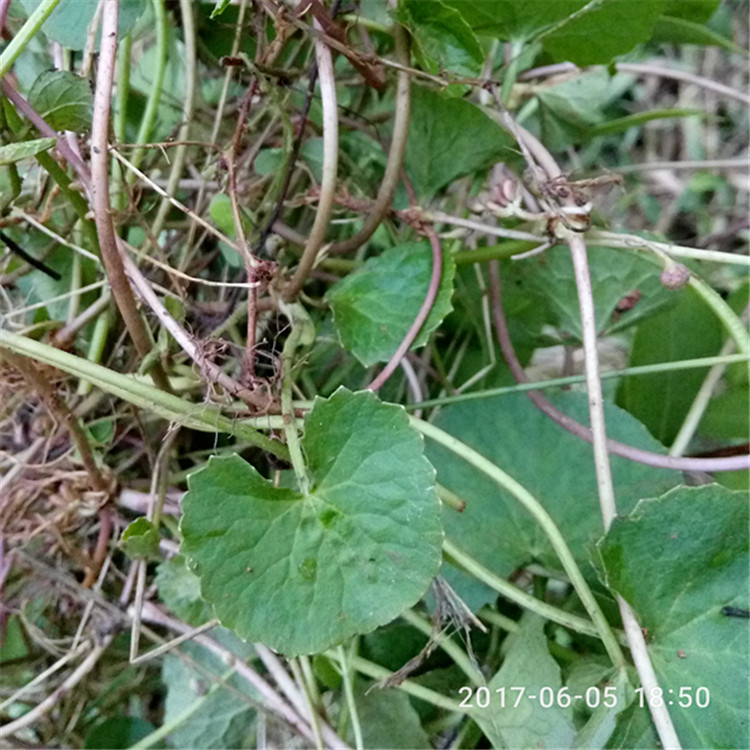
column 374, row 308
column 302, row 572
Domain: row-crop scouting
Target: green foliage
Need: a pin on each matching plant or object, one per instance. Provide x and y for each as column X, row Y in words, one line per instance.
column 13, row 152
column 602, row 31
column 528, row 666
column 351, row 555
column 685, row 330
column 388, row 720
column 443, row 39
column 693, row 543
column 373, row 308
column 69, row 22
column 551, row 463
column 449, row 138
column 180, row 590
column 140, row 539
column 614, row 276
column 63, row 99
column 208, row 716
column 118, row 732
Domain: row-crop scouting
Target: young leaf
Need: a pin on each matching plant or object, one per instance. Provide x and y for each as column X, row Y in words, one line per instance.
column 602, row 31
column 519, row 19
column 219, row 8
column 697, row 11
column 620, row 124
column 682, row 31
column 374, row 308
column 442, row 38
column 140, row 539
column 13, row 152
column 549, row 281
column 180, row 589
column 63, row 99
column 304, row 572
column 533, row 722
column 449, row 138
column 388, row 720
column 679, row 560
column 221, row 718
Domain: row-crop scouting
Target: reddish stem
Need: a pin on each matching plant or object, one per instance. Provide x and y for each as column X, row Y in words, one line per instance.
column 424, row 311
column 659, row 460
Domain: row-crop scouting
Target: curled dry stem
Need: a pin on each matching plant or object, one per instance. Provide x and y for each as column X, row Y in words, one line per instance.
column 105, row 227
column 396, row 153
column 330, row 169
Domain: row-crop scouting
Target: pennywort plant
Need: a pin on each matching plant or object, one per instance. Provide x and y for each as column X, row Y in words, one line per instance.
column 374, row 373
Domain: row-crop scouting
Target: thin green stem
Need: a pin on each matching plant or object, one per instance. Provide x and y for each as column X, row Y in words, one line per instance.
column 685, row 364
column 96, row 344
column 168, row 727
column 187, row 9
column 305, row 688
column 540, row 515
column 154, row 94
column 622, row 241
column 514, row 594
column 700, row 402
column 505, row 249
column 729, row 319
column 459, row 656
column 346, row 676
column 129, row 388
column 377, row 672
column 19, row 41
column 301, row 334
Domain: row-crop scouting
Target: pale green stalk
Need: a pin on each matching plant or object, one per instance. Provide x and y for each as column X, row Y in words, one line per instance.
column 685, row 364
column 346, row 676
column 305, row 688
column 377, row 672
column 200, row 417
column 540, row 515
column 623, row 241
column 514, row 594
column 178, row 159
column 700, row 402
column 20, row 40
column 96, row 345
column 154, row 95
column 167, row 728
column 450, row 647
column 724, row 313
